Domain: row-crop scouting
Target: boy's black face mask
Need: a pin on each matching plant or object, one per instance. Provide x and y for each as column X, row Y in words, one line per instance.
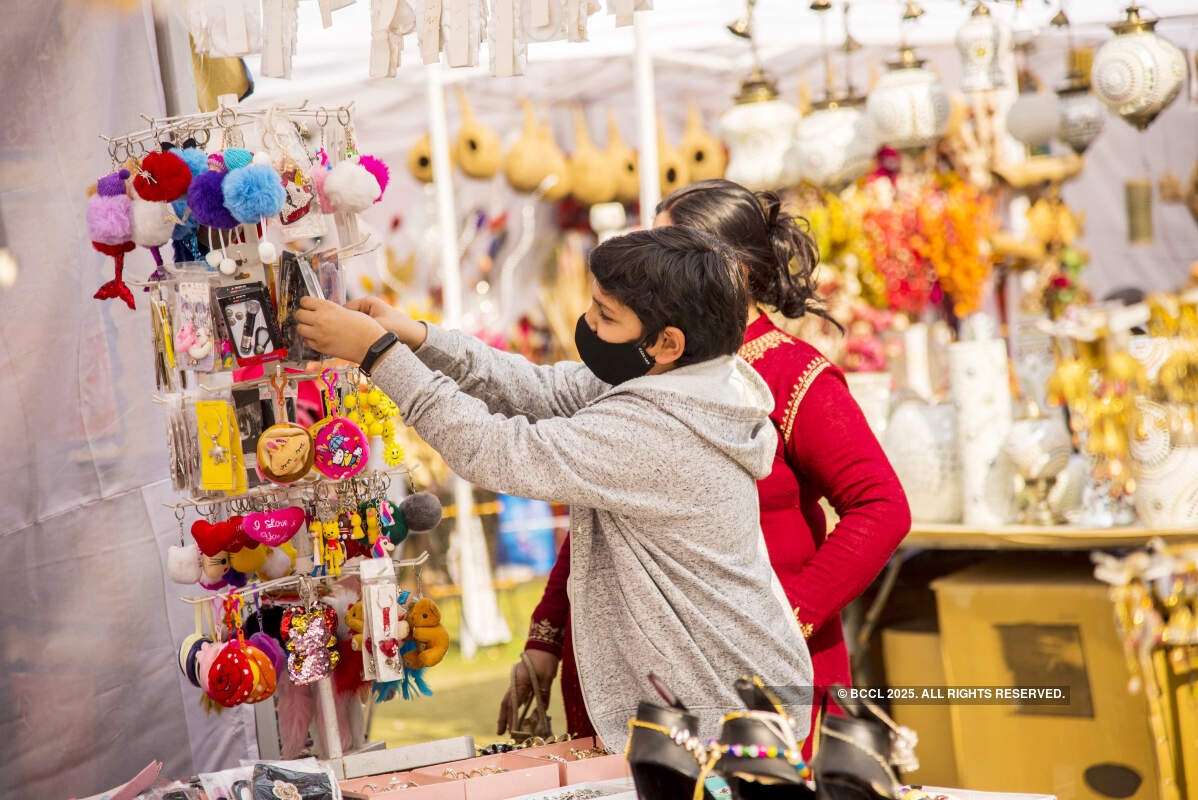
column 612, row 362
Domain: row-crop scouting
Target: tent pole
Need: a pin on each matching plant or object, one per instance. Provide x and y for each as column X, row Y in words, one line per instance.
column 438, row 128
column 471, row 545
column 646, row 118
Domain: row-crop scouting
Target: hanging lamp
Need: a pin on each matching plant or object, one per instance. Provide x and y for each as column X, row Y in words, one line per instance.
column 1082, row 114
column 836, row 142
column 1137, row 74
column 981, row 41
column 759, row 128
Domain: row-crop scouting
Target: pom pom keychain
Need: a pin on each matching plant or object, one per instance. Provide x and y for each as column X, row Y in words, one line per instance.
column 110, row 226
column 163, row 177
column 206, row 199
column 187, row 245
column 252, row 191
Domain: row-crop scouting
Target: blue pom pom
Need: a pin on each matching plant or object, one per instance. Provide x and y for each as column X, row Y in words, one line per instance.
column 195, row 159
column 253, row 193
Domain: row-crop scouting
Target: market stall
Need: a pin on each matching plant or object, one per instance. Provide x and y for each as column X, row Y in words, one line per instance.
column 983, row 181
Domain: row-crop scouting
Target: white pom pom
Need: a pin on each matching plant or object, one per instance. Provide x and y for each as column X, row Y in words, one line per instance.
column 228, row 267
column 261, row 158
column 183, row 564
column 267, row 253
column 277, row 564
column 351, row 188
column 303, row 565
column 214, row 258
column 152, row 223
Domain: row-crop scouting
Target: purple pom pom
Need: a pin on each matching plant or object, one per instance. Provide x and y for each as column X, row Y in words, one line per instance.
column 274, row 651
column 207, row 201
column 110, row 218
column 112, row 184
column 253, row 193
column 379, row 170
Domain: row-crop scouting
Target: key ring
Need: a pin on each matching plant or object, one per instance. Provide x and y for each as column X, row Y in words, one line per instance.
column 218, row 454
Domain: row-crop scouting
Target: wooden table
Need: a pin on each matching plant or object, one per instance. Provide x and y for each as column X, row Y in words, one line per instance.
column 955, row 536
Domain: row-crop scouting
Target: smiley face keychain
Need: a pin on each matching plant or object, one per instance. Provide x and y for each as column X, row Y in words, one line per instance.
column 285, row 449
column 342, row 449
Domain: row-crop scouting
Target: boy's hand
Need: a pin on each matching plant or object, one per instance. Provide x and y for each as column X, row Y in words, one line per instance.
column 409, row 331
column 336, row 331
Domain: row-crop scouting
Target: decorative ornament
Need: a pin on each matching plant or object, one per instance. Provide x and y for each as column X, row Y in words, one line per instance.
column 1138, row 73
column 624, row 161
column 670, row 166
column 981, row 42
column 592, row 174
column 909, row 106
column 1082, row 114
column 1034, row 118
column 836, row 143
column 759, row 130
column 702, row 153
column 477, row 147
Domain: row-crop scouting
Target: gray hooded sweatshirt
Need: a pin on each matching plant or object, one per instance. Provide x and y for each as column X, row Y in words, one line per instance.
column 669, row 571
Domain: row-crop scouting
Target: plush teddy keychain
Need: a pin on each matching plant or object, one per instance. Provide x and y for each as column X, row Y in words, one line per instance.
column 430, row 636
column 110, row 226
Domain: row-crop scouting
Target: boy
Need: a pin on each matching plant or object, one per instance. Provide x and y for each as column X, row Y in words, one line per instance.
column 655, row 442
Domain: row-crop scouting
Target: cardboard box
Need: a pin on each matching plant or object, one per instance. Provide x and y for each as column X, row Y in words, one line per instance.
column 585, row 770
column 521, row 776
column 379, row 787
column 1025, row 623
column 911, row 652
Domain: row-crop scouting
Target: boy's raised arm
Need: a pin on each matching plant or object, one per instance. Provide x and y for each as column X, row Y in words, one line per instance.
column 598, row 458
column 507, row 382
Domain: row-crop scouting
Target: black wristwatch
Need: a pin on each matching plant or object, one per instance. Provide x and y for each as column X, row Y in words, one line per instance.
column 376, row 351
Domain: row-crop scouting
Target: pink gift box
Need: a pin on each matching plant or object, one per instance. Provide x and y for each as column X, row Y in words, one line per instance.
column 432, row 787
column 523, row 776
column 586, row 770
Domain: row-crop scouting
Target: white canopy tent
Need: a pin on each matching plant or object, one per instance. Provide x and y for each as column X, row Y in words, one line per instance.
column 92, row 625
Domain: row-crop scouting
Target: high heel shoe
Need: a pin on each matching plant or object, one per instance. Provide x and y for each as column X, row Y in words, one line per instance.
column 858, row 753
column 758, row 753
column 667, row 760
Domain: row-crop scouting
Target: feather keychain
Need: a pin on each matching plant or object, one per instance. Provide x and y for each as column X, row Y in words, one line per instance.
column 110, row 225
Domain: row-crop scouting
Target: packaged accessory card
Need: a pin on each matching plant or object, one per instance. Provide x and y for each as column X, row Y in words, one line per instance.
column 249, row 317
column 297, row 279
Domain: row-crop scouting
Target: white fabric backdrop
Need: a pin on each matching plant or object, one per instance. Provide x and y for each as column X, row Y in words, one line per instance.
column 696, row 60
column 89, row 690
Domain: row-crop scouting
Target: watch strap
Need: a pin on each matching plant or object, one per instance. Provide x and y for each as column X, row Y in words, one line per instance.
column 381, row 345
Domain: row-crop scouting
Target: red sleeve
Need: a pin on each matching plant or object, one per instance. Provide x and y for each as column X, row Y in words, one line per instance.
column 547, row 628
column 832, row 448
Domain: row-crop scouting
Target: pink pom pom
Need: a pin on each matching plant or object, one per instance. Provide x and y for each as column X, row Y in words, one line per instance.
column 110, row 218
column 318, row 176
column 379, row 170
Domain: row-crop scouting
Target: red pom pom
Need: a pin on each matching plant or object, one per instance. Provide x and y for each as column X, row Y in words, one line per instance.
column 164, row 177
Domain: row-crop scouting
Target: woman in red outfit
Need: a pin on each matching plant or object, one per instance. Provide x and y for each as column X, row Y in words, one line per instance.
column 825, row 449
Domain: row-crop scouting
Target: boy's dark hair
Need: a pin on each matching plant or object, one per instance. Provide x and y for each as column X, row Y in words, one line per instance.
column 681, row 277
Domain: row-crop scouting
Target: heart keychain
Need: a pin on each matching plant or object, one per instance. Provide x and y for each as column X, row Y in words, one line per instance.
column 285, row 451
column 273, row 527
column 341, row 448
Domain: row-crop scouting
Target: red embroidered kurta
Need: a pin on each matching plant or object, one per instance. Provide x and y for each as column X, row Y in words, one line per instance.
column 825, row 449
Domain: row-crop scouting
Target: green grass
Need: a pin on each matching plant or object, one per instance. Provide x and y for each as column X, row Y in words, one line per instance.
column 466, row 693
